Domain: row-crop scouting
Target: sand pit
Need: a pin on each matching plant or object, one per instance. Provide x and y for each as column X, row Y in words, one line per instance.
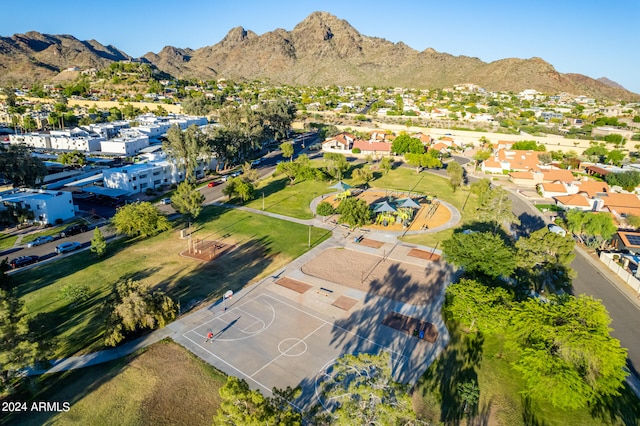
column 400, row 281
column 422, row 254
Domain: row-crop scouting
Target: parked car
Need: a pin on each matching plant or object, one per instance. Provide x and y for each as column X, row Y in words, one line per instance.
column 236, row 174
column 67, row 247
column 38, row 241
column 73, row 230
column 256, row 162
column 165, row 201
column 21, row 261
column 214, row 183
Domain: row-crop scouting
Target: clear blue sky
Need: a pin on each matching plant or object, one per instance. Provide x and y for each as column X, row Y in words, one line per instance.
column 591, row 37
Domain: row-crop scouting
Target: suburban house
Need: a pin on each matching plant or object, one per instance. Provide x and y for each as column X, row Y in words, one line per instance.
column 534, row 178
column 371, row 147
column 575, row 201
column 47, row 206
column 342, row 142
column 505, row 160
column 626, row 240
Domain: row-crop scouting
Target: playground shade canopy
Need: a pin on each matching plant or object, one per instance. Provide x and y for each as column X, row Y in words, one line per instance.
column 340, row 186
column 407, row 202
column 383, row 207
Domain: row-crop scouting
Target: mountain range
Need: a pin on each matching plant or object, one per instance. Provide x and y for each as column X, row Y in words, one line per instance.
column 320, row 50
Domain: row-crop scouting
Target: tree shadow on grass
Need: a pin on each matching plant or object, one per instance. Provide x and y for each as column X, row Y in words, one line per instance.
column 212, row 279
column 613, row 410
column 68, row 386
column 529, row 417
column 43, row 275
column 456, row 365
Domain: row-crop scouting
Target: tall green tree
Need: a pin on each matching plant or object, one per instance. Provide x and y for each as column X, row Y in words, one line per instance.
column 133, row 306
column 406, row 144
column 565, row 353
column 17, row 350
column 74, row 158
column 496, row 208
column 287, row 150
column 140, row 219
column 242, row 406
column 354, row 212
column 483, row 253
column 98, row 243
column 361, row 391
column 187, row 200
column 20, row 167
column 456, row 174
column 546, row 256
column 186, row 148
column 386, row 164
column 478, row 307
column 277, row 117
column 336, row 164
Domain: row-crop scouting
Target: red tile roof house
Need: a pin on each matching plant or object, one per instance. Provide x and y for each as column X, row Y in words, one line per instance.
column 511, row 160
column 373, row 148
column 619, row 205
column 425, row 139
column 575, row 201
column 342, row 142
column 532, row 178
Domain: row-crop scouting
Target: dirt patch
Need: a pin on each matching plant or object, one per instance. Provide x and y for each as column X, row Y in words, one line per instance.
column 294, row 285
column 421, row 254
column 412, row 326
column 345, row 303
column 404, row 282
column 207, row 250
column 371, row 243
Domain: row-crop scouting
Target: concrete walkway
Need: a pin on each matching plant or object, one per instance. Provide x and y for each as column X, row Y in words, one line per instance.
column 172, row 330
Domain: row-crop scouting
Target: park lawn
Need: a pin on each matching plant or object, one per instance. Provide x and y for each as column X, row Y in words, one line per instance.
column 7, row 241
column 288, row 200
column 262, row 245
column 483, row 358
column 133, row 390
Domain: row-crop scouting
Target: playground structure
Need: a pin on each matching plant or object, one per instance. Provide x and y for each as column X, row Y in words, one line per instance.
column 206, row 250
column 399, row 210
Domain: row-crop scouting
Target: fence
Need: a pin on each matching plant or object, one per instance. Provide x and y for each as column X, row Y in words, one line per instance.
column 628, row 277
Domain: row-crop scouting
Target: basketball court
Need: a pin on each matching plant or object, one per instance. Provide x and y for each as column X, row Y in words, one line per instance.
column 272, row 341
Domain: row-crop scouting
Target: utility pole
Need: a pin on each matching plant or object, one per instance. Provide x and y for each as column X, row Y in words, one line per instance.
column 310, row 226
column 263, row 201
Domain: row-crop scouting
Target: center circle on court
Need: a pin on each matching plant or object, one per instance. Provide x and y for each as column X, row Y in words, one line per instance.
column 292, row 347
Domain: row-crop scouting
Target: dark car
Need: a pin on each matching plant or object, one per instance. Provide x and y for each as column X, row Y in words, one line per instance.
column 73, row 230
column 21, row 261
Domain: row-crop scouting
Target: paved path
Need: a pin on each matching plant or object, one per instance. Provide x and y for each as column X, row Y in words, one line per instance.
column 176, row 329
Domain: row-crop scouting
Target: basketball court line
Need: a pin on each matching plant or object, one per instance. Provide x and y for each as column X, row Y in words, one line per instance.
column 394, row 355
column 283, row 354
column 341, row 328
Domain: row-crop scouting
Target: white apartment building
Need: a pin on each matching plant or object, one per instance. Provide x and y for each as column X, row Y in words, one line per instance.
column 47, row 206
column 60, row 140
column 129, row 143
column 155, row 172
column 107, row 130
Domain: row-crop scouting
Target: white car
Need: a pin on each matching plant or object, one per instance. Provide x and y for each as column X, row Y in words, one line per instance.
column 165, row 201
column 67, row 247
column 40, row 240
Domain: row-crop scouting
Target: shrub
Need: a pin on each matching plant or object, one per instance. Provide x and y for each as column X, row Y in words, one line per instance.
column 356, row 151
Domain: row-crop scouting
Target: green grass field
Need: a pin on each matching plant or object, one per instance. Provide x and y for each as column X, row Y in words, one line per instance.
column 133, row 390
column 262, row 244
column 473, row 357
